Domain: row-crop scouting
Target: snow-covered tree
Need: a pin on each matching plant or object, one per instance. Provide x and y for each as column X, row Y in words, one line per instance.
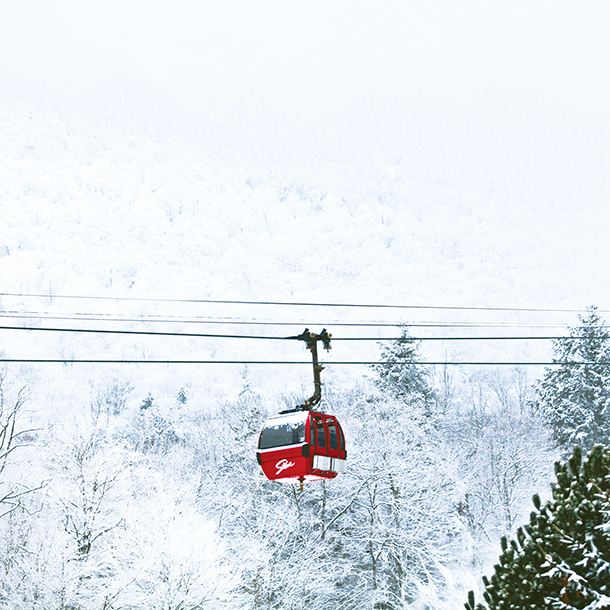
column 504, row 453
column 575, row 398
column 561, row 559
column 404, row 524
column 399, row 374
column 11, row 492
column 502, row 460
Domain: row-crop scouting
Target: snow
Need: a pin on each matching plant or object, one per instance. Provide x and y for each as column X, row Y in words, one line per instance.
column 440, row 153
column 291, row 420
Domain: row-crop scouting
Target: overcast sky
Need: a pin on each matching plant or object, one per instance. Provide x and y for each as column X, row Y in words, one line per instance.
column 512, row 66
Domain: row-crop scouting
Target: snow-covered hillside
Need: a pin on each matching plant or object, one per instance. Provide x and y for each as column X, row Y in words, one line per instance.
column 444, row 155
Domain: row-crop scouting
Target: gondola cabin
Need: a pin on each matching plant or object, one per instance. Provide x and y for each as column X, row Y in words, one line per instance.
column 301, row 446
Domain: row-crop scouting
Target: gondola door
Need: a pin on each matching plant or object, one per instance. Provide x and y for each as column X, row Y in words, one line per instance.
column 336, row 444
column 321, row 460
column 329, row 452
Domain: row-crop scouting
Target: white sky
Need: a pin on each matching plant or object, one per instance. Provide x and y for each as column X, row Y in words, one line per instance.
column 508, row 63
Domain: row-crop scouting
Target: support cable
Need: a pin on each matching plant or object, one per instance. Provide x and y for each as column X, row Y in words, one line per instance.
column 225, row 336
column 293, row 304
column 149, row 318
column 295, row 362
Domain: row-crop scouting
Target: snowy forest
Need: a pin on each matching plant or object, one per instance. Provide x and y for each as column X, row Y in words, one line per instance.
column 185, row 185
column 130, row 505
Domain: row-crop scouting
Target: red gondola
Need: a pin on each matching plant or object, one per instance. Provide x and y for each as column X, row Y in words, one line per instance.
column 303, row 445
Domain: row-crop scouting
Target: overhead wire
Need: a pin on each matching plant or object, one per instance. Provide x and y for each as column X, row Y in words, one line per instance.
column 151, row 318
column 139, row 332
column 279, row 362
column 296, row 362
column 147, row 318
column 294, row 303
column 274, row 338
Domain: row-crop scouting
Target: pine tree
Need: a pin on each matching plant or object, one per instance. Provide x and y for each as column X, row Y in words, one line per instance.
column 575, row 399
column 399, row 374
column 561, row 559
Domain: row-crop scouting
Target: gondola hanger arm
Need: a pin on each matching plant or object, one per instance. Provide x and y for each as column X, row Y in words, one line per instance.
column 311, row 339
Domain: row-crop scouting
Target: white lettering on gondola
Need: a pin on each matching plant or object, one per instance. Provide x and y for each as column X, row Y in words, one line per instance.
column 283, row 465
